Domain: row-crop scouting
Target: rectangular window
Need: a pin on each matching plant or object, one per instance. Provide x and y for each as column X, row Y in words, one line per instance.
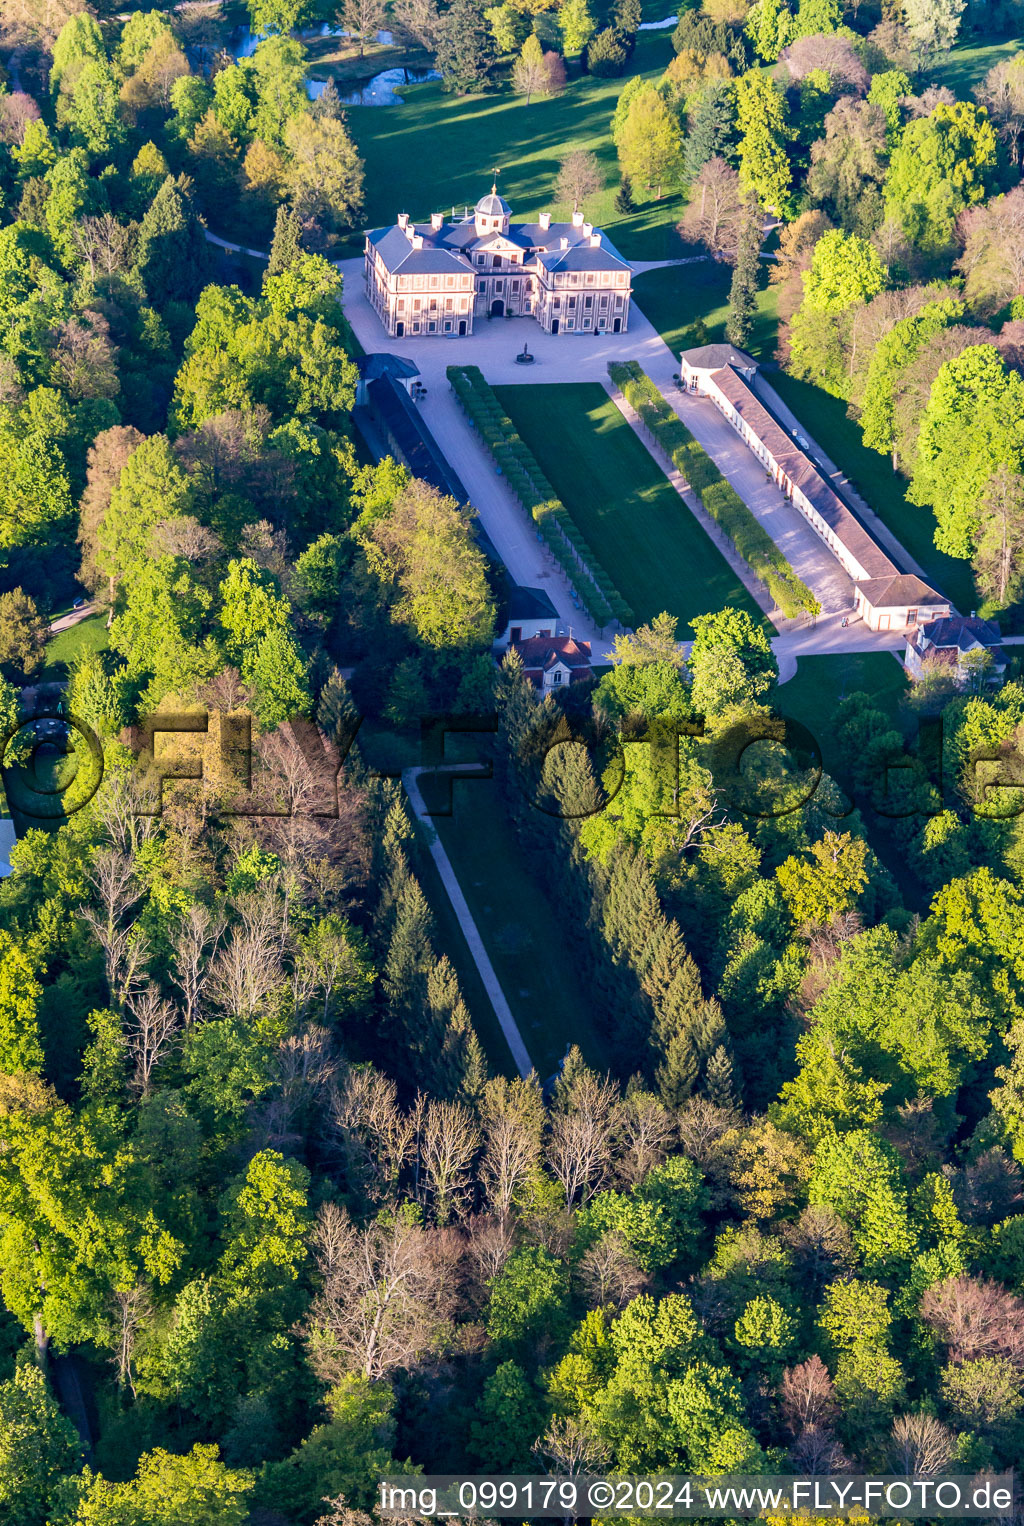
column 588, row 301
column 556, row 677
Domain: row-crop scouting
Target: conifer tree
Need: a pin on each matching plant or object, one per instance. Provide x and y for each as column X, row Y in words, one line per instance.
column 410, row 955
column 327, row 104
column 743, row 291
column 393, row 871
column 286, row 248
column 713, row 129
column 718, row 1081
column 624, row 202
column 450, row 1051
column 464, row 1057
column 173, row 259
column 677, row 1073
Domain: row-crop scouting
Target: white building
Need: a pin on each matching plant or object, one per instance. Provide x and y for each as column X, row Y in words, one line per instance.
column 438, row 277
column 553, row 663
column 885, row 596
column 530, row 613
column 956, row 646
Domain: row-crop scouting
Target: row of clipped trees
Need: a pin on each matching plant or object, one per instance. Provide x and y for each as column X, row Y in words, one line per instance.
column 719, row 498
column 518, row 465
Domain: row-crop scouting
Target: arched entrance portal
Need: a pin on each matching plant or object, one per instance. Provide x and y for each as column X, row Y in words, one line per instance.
column 497, row 308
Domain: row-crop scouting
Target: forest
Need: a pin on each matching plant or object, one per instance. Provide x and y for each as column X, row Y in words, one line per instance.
column 274, row 1219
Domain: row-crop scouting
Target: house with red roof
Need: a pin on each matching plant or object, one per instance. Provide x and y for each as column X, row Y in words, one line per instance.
column 552, row 663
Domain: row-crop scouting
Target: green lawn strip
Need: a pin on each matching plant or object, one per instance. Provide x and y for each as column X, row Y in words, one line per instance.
column 449, row 939
column 523, row 930
column 470, row 135
column 718, row 497
column 673, row 299
column 825, row 418
column 623, row 503
column 88, row 636
column 566, row 542
column 966, row 66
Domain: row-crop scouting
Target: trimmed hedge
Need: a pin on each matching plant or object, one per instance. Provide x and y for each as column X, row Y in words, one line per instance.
column 718, row 497
column 519, row 467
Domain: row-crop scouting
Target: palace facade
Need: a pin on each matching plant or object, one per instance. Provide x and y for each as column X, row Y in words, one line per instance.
column 438, row 277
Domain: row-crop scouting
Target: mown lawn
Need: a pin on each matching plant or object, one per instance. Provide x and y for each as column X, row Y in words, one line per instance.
column 89, row 635
column 438, row 151
column 826, row 419
column 966, row 66
column 821, row 683
column 523, row 933
column 641, row 531
column 675, row 298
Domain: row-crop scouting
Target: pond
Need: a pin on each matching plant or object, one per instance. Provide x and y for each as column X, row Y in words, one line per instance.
column 384, row 89
column 381, row 90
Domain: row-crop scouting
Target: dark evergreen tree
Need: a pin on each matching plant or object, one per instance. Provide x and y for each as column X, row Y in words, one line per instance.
column 606, row 54
column 712, row 130
column 451, row 1059
column 286, row 248
column 465, row 48
column 174, row 257
column 718, row 1080
column 743, row 291
column 624, row 196
column 409, row 960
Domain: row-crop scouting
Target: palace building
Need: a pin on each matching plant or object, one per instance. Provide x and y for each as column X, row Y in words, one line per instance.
column 439, row 277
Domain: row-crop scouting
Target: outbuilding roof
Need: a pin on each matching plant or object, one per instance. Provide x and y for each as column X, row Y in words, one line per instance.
column 962, row 633
column 712, row 357
column 381, row 363
column 903, row 591
column 530, row 604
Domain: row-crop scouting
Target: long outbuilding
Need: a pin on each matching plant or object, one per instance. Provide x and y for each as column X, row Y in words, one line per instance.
column 887, row 597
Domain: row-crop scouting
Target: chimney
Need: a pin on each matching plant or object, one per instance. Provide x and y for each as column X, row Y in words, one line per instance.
column 417, row 240
column 403, row 221
column 588, row 229
column 563, row 242
column 437, row 221
column 545, row 221
column 577, row 219
column 595, row 241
